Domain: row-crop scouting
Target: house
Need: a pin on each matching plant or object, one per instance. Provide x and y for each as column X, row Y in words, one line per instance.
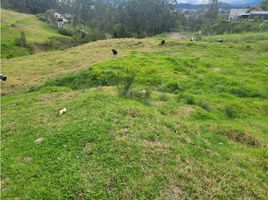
column 259, row 15
column 234, row 14
column 60, row 19
column 249, row 14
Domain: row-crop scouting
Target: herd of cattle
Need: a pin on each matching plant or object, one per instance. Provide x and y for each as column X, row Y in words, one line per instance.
column 163, row 42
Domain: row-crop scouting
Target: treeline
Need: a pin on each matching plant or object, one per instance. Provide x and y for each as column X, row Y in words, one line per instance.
column 128, row 18
column 122, row 18
column 119, row 18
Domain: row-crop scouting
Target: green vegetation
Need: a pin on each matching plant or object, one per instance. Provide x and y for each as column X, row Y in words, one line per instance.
column 36, row 32
column 184, row 121
column 238, row 27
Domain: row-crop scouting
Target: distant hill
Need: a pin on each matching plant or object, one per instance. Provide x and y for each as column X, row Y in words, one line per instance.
column 235, row 4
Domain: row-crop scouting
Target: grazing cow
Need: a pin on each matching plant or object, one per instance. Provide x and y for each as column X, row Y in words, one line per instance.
column 3, row 77
column 163, row 42
column 192, row 39
column 114, row 52
column 219, row 40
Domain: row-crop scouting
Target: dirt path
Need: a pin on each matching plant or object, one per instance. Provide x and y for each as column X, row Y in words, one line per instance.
column 178, row 36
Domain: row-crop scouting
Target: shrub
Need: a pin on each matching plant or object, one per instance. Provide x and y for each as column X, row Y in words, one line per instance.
column 139, row 94
column 204, row 105
column 21, row 41
column 189, row 100
column 163, row 97
column 172, row 87
column 125, row 83
column 119, row 31
column 65, row 31
column 230, row 111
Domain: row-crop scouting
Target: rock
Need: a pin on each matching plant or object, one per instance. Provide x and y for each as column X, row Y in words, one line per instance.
column 27, row 159
column 62, row 111
column 39, row 140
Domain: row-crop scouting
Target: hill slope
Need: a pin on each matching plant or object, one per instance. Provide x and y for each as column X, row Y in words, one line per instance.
column 193, row 125
column 36, row 31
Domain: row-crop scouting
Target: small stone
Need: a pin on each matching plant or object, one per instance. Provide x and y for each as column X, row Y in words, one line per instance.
column 27, row 159
column 62, row 111
column 39, row 140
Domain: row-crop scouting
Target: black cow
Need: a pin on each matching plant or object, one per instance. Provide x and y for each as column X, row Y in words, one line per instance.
column 163, row 42
column 114, row 52
column 219, row 40
column 3, row 77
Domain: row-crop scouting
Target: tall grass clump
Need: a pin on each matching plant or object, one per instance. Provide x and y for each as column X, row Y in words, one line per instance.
column 230, row 111
column 189, row 100
column 204, row 105
column 125, row 83
column 126, row 89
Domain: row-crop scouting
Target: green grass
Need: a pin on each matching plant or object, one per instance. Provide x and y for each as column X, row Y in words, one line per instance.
column 202, row 133
column 36, row 31
column 250, row 37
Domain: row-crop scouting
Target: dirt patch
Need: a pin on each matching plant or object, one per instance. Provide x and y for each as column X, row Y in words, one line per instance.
column 132, row 112
column 173, row 192
column 69, row 95
column 242, row 136
column 178, row 36
column 184, row 112
column 47, row 98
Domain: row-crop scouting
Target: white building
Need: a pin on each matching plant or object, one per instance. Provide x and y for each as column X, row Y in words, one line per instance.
column 234, row 14
column 60, row 19
column 248, row 14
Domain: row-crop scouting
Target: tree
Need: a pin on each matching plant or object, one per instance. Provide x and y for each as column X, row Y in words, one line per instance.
column 264, row 5
column 213, row 10
column 30, row 6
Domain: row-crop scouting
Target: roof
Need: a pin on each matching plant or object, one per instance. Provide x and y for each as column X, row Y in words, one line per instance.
column 254, row 9
column 260, row 13
column 237, row 12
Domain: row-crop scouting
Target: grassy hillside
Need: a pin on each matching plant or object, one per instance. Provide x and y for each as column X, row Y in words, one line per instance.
column 193, row 124
column 36, row 31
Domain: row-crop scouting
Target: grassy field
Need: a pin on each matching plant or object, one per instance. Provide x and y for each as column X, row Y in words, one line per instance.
column 13, row 23
column 193, row 125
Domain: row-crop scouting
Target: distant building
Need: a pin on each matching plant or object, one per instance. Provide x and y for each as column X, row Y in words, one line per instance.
column 60, row 19
column 234, row 14
column 249, row 14
column 259, row 14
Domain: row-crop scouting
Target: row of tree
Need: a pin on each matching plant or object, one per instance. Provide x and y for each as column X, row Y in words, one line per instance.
column 123, row 18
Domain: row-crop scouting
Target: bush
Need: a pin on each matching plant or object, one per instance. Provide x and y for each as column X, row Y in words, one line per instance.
column 119, row 31
column 172, row 87
column 142, row 95
column 163, row 97
column 189, row 100
column 65, row 31
column 21, row 41
column 204, row 105
column 125, row 83
column 42, row 17
column 230, row 111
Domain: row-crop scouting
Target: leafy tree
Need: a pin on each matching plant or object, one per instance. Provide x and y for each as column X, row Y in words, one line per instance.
column 21, row 41
column 213, row 10
column 264, row 5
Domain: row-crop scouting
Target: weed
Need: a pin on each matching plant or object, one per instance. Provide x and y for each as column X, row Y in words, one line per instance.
column 163, row 97
column 204, row 105
column 125, row 83
column 230, row 111
column 189, row 100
